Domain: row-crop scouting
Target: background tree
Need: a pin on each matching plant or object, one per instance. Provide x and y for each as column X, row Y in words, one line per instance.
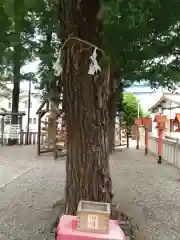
column 30, row 78
column 139, row 42
column 115, row 107
column 131, row 109
column 18, row 45
column 47, row 45
column 136, row 35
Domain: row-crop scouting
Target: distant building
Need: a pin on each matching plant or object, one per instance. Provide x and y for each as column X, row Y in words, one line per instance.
column 168, row 105
column 23, row 106
column 6, row 105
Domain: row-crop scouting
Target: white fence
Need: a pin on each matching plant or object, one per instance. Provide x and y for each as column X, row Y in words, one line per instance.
column 170, row 151
column 120, row 136
column 32, row 138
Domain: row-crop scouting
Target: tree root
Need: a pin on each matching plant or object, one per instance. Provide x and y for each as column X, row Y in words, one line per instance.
column 127, row 224
column 59, row 205
column 58, row 210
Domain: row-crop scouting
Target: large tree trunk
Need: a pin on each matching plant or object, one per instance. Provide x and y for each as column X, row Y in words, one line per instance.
column 87, row 169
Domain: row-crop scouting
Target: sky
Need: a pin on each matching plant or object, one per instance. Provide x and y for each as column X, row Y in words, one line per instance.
column 32, row 67
column 146, row 95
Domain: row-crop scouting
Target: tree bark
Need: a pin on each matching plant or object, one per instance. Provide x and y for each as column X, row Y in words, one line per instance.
column 85, row 100
column 119, row 106
column 16, row 91
column 112, row 121
column 16, row 64
column 112, row 109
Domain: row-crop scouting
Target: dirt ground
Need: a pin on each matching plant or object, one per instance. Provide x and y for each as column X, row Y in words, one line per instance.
column 148, row 192
column 29, row 187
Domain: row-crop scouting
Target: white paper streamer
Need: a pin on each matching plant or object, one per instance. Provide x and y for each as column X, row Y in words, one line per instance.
column 94, row 66
column 57, row 65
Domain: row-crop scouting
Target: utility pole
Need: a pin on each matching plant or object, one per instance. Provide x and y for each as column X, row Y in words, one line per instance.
column 138, row 109
column 29, row 109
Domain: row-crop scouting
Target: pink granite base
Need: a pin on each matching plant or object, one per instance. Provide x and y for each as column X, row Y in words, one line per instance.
column 67, row 231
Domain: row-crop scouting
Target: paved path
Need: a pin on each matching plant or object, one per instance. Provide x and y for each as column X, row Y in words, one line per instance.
column 149, row 192
column 29, row 186
column 28, row 189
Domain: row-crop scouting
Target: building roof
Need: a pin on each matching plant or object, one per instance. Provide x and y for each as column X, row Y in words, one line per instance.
column 7, row 113
column 174, row 98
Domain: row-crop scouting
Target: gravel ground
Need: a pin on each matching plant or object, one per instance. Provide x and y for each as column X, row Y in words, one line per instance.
column 148, row 192
column 29, row 186
column 27, row 194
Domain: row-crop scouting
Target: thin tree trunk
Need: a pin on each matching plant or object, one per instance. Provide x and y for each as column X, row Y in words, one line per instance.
column 16, row 64
column 113, row 101
column 112, row 118
column 87, row 166
column 16, row 91
column 120, row 108
column 112, row 109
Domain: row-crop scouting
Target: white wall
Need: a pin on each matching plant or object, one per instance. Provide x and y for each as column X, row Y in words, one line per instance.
column 23, row 106
column 171, row 113
column 5, row 103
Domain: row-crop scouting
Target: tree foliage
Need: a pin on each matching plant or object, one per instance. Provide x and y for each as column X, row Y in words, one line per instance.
column 17, row 44
column 18, row 29
column 136, row 33
column 131, row 109
column 48, row 43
